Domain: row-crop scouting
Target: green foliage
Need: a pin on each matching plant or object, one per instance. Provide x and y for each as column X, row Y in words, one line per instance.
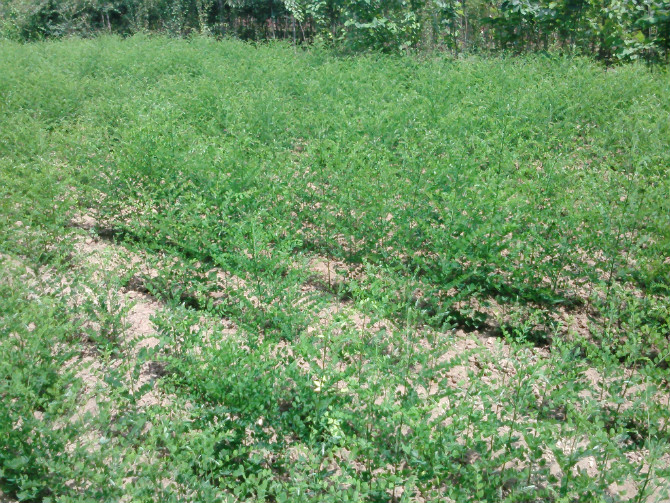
column 614, row 31
column 620, row 31
column 35, row 390
column 466, row 212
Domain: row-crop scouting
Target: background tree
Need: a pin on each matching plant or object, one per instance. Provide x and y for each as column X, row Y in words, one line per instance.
column 611, row 30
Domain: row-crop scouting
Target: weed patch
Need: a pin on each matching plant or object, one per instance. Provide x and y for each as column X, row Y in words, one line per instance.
column 409, row 281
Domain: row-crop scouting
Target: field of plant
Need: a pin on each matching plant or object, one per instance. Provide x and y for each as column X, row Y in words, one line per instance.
column 254, row 273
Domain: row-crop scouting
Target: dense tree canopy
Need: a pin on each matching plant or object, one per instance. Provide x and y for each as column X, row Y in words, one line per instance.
column 613, row 30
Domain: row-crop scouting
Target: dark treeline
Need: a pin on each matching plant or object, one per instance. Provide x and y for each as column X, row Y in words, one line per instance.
column 611, row 30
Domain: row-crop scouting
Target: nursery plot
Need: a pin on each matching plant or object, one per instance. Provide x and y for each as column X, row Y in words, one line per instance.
column 255, row 273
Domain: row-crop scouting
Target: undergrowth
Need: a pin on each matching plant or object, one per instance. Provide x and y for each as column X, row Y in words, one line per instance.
column 448, row 280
